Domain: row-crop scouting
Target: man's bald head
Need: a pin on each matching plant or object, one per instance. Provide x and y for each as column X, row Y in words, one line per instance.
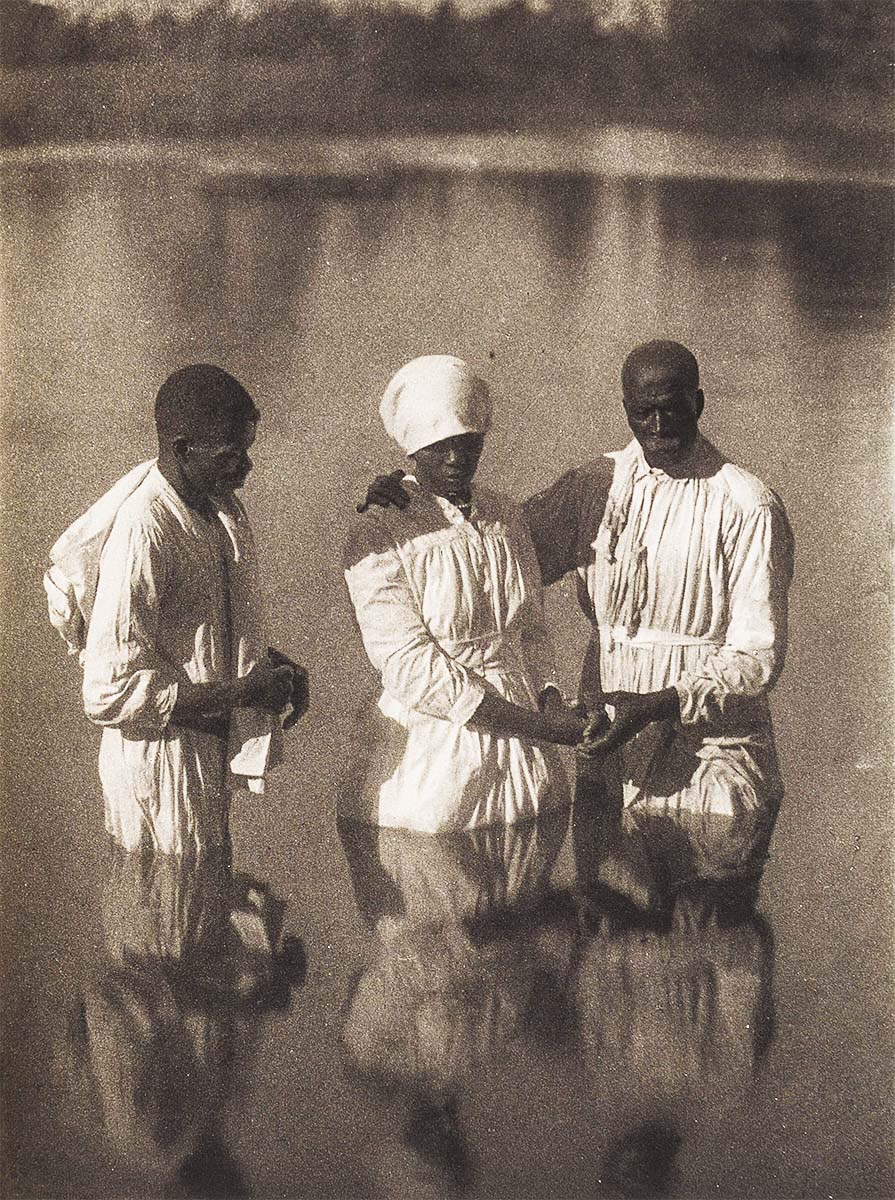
column 669, row 360
column 198, row 400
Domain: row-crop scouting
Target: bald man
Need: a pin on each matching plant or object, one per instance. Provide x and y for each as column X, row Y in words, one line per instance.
column 684, row 563
column 156, row 587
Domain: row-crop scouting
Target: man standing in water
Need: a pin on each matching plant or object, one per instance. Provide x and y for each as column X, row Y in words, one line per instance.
column 156, row 587
column 684, row 563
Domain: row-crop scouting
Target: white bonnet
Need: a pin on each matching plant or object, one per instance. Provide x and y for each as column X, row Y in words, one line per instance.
column 434, row 397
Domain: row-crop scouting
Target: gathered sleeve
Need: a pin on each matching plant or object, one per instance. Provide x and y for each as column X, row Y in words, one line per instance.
column 564, row 519
column 759, row 551
column 415, row 669
column 127, row 683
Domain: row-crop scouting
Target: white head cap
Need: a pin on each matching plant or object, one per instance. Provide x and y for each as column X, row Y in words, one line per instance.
column 432, row 398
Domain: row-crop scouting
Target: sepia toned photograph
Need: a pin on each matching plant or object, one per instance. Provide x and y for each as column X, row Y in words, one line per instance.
column 447, row 598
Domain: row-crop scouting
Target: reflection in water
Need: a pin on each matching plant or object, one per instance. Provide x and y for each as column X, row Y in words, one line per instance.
column 834, row 241
column 256, row 266
column 641, row 858
column 467, row 959
column 480, row 958
column 564, row 204
column 169, row 1017
column 674, row 1000
column 838, row 245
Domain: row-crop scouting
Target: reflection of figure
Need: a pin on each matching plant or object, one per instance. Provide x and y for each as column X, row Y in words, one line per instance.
column 674, row 1008
column 684, row 562
column 448, row 601
column 641, row 858
column 464, row 962
column 190, row 961
column 155, row 584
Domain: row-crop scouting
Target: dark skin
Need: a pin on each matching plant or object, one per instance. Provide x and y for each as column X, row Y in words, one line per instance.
column 663, row 403
column 202, row 468
column 447, row 468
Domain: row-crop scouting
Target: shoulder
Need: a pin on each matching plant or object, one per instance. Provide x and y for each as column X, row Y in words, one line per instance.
column 381, row 531
column 587, row 482
column 144, row 515
column 745, row 491
column 598, row 472
column 495, row 504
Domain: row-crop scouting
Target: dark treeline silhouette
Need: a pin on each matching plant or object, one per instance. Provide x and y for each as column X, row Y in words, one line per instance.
column 742, row 66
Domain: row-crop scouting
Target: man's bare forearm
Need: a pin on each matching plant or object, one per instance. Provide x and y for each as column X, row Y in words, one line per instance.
column 207, row 701
column 504, row 719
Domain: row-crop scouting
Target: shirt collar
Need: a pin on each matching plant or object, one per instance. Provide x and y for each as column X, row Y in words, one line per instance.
column 688, row 469
column 227, row 509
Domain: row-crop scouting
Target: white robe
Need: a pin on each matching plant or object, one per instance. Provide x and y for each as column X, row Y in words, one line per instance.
column 154, row 595
column 448, row 608
column 684, row 578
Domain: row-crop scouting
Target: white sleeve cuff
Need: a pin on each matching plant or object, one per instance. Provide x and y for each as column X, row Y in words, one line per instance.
column 466, row 704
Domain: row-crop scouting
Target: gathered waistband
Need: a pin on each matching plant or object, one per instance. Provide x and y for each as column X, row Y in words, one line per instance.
column 618, row 635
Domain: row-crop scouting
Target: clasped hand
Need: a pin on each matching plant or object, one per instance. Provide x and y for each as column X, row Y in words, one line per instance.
column 277, row 683
column 633, row 712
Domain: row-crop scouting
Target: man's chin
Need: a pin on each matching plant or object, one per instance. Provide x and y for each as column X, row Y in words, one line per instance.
column 666, row 455
column 223, row 490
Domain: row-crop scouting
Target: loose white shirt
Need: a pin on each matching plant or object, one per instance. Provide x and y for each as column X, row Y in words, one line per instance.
column 448, row 608
column 684, row 577
column 176, row 600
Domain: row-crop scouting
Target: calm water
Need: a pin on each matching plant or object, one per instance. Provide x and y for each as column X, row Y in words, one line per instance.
column 153, row 1047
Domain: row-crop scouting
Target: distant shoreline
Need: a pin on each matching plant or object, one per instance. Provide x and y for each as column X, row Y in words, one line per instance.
column 613, row 151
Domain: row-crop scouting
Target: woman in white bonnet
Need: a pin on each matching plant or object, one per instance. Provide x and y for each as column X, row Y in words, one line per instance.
column 447, row 595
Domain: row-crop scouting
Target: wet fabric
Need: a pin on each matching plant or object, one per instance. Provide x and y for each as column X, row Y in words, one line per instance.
column 684, row 579
column 448, row 608
column 175, row 599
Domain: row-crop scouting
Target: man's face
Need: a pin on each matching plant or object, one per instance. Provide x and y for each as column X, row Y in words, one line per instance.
column 447, row 467
column 663, row 413
column 219, row 462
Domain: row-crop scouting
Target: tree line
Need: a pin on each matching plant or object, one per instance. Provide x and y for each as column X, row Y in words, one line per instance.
column 730, row 62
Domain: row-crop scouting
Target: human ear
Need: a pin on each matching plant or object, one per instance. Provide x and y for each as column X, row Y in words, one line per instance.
column 700, row 403
column 181, row 447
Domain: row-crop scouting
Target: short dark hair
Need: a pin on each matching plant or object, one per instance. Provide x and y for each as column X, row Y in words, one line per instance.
column 200, row 396
column 670, row 354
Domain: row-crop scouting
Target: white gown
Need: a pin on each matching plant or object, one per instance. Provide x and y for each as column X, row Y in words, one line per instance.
column 684, row 578
column 175, row 599
column 448, row 608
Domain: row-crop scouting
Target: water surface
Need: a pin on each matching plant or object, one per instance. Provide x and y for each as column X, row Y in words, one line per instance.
column 778, row 1083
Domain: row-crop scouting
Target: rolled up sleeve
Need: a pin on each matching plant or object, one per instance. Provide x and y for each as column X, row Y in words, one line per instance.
column 414, row 668
column 760, row 558
column 127, row 684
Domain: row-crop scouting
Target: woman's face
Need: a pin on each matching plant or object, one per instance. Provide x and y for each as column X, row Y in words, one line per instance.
column 447, row 468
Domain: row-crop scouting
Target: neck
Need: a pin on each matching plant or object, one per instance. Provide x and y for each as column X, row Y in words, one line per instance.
column 680, row 467
column 464, row 496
